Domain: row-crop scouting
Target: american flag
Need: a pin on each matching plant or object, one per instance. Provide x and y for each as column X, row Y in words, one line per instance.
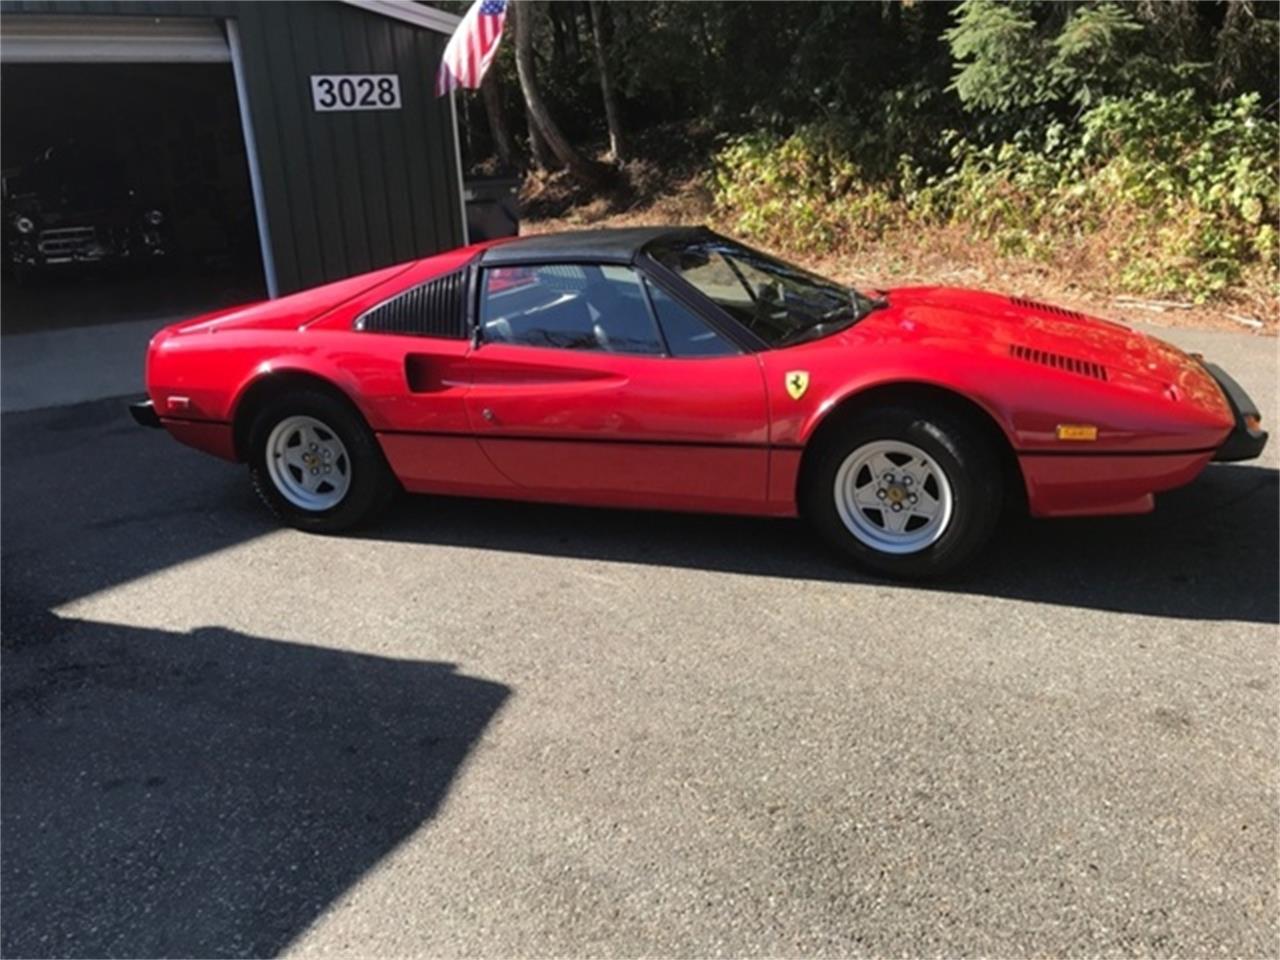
column 472, row 47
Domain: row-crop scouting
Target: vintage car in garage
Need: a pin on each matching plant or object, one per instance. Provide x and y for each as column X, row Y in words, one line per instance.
column 672, row 368
column 77, row 206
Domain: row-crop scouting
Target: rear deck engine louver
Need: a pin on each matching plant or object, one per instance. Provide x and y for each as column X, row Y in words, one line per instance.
column 433, row 309
column 1046, row 308
column 1070, row 364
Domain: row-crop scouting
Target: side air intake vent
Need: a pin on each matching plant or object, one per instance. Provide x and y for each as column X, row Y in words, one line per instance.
column 1070, row 364
column 1046, row 308
column 433, row 309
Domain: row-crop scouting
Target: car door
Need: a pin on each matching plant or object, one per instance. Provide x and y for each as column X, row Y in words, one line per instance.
column 579, row 394
column 406, row 344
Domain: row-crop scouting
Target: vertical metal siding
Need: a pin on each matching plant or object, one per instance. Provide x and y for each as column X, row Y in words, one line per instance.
column 344, row 145
column 396, row 176
column 357, row 190
column 344, row 192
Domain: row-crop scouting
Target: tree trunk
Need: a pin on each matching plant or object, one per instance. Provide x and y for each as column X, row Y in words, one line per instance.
column 559, row 55
column 1231, row 46
column 582, row 169
column 539, row 152
column 595, row 13
column 497, row 119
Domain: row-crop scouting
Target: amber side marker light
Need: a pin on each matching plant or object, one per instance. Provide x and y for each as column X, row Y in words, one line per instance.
column 1252, row 422
column 1077, row 431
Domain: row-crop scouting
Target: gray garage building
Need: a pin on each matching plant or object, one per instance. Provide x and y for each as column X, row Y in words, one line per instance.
column 316, row 120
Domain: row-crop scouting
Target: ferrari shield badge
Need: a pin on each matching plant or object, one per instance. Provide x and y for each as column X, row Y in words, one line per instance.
column 797, row 383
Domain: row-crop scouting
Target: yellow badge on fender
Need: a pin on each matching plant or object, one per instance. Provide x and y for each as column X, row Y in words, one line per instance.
column 797, row 383
column 1077, row 431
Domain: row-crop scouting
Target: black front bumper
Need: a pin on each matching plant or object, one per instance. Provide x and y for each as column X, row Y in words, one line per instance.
column 144, row 413
column 1246, row 439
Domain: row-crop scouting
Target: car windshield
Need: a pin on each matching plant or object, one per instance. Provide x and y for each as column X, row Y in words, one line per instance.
column 780, row 303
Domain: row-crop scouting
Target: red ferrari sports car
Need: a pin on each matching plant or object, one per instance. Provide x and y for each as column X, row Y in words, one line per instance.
column 675, row 369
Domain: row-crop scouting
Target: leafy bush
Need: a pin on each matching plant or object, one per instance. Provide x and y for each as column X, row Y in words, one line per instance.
column 1162, row 194
column 1204, row 181
column 802, row 192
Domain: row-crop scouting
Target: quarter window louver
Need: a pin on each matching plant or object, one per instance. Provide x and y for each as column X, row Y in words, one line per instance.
column 433, row 309
column 1070, row 364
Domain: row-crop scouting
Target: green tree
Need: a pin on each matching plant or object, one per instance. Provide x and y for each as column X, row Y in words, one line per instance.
column 1098, row 52
column 1002, row 62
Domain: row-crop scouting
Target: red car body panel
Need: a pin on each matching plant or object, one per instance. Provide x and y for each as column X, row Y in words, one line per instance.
column 706, row 434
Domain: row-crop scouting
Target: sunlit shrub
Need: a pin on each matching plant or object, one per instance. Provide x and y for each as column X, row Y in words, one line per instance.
column 804, row 192
column 1182, row 198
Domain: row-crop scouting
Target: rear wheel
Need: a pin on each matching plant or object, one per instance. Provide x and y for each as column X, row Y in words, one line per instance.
column 315, row 463
column 906, row 492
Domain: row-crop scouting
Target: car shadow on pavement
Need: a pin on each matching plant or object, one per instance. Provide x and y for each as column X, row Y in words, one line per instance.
column 210, row 793
column 185, row 794
column 1209, row 551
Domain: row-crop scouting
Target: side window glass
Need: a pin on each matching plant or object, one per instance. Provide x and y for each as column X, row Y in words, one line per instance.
column 569, row 307
column 687, row 334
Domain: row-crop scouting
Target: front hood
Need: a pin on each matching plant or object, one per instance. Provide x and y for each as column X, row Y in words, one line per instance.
column 1045, row 336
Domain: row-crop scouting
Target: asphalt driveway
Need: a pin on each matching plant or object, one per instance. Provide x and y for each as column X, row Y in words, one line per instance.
column 497, row 729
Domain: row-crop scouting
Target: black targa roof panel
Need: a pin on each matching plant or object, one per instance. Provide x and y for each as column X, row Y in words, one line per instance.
column 619, row 245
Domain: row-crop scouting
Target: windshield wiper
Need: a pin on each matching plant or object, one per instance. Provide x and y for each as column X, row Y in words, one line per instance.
column 836, row 319
column 851, row 310
column 858, row 307
column 846, row 318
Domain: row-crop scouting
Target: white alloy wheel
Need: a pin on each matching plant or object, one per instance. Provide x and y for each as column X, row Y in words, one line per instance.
column 308, row 463
column 893, row 496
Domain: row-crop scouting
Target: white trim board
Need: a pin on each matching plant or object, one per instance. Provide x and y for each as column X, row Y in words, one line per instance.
column 39, row 38
column 251, row 153
column 408, row 11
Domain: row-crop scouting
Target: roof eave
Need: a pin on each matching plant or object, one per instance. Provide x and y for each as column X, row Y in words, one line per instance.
column 408, row 11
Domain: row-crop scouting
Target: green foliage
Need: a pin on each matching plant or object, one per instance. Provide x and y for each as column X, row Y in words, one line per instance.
column 1172, row 197
column 1097, row 53
column 1204, row 181
column 801, row 192
column 1001, row 61
column 1024, row 58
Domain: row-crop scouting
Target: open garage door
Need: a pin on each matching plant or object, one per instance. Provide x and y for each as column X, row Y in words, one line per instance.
column 34, row 39
column 126, row 182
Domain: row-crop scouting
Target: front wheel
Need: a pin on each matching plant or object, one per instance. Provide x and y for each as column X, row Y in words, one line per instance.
column 909, row 493
column 315, row 463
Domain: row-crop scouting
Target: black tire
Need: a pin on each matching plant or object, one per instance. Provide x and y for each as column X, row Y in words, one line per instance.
column 372, row 484
column 964, row 454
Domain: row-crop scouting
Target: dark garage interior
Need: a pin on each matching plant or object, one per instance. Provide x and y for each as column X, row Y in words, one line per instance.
column 151, row 156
